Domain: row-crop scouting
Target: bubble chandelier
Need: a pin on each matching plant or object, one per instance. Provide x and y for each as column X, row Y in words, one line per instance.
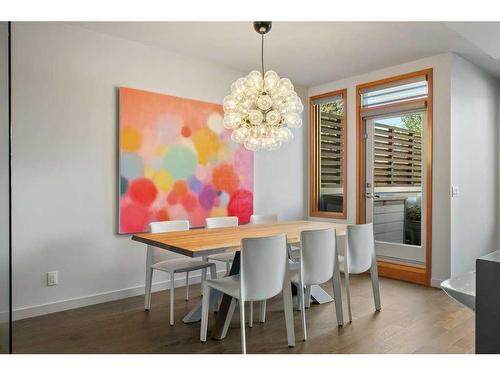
column 262, row 107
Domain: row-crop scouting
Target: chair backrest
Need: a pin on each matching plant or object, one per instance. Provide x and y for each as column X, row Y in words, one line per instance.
column 221, row 222
column 166, row 226
column 318, row 255
column 263, row 219
column 360, row 249
column 263, row 267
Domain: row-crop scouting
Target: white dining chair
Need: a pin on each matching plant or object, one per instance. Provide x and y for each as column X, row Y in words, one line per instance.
column 157, row 259
column 263, row 219
column 360, row 257
column 263, row 274
column 222, row 222
column 225, row 257
column 273, row 218
column 318, row 264
column 260, row 219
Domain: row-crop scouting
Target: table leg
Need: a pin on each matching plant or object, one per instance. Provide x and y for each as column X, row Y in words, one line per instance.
column 319, row 295
column 226, row 309
column 194, row 315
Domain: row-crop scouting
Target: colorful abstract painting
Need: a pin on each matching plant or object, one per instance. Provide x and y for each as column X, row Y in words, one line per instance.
column 177, row 161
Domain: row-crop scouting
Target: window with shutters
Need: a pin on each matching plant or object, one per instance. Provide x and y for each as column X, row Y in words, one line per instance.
column 327, row 144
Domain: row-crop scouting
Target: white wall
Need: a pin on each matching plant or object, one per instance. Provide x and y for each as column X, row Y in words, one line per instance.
column 441, row 65
column 4, row 188
column 65, row 83
column 474, row 140
column 281, row 175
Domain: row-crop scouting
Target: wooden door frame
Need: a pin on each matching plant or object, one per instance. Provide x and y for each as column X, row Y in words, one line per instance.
column 405, row 272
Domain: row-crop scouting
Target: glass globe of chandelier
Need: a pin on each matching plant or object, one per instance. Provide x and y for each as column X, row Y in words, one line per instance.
column 262, row 107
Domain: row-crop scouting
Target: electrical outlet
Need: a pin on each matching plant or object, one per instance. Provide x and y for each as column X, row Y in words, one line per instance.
column 454, row 191
column 52, row 278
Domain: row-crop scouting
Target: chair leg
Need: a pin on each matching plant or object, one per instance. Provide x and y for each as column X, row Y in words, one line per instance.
column 262, row 311
column 337, row 297
column 203, row 273
column 228, row 268
column 147, row 292
column 204, row 312
column 172, row 288
column 307, row 297
column 187, row 286
column 302, row 309
column 375, row 286
column 149, row 278
column 348, row 291
column 250, row 315
column 242, row 326
column 213, row 276
column 288, row 307
column 230, row 313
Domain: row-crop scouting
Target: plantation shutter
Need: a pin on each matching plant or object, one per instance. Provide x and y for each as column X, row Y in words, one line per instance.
column 331, row 143
column 397, row 156
column 332, row 140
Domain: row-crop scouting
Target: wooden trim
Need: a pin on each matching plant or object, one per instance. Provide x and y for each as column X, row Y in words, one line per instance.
column 423, row 72
column 428, row 181
column 312, row 155
column 388, row 269
column 314, row 158
column 413, row 274
column 360, row 156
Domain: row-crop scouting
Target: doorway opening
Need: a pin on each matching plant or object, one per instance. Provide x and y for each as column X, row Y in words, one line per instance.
column 394, row 187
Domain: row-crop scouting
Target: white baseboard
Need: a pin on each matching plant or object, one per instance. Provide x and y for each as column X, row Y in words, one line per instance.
column 436, row 283
column 73, row 303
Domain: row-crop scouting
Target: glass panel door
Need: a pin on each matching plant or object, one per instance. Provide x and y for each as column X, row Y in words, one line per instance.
column 395, row 196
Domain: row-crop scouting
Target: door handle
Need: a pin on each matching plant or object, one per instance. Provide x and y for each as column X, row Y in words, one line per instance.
column 369, row 195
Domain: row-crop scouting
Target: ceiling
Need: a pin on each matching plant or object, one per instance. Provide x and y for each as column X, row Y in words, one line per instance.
column 311, row 53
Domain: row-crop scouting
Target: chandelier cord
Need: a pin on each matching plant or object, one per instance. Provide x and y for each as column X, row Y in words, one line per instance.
column 262, row 55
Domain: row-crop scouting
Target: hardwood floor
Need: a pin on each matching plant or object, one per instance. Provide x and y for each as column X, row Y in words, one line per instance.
column 414, row 319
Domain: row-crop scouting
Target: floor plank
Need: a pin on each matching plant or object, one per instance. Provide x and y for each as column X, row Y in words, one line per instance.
column 414, row 319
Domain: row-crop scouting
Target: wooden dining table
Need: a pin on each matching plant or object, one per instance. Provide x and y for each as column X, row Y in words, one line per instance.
column 203, row 241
